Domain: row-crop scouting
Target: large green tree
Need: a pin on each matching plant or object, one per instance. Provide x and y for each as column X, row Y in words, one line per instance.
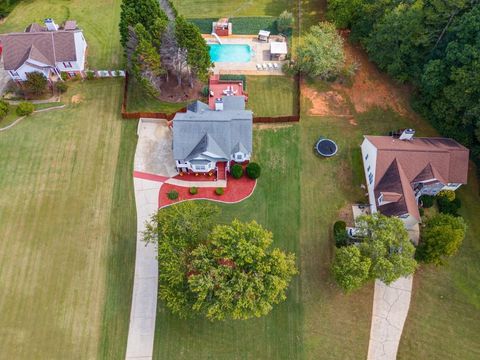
column 220, row 272
column 133, row 12
column 385, row 252
column 320, row 52
column 350, row 268
column 441, row 238
column 236, row 275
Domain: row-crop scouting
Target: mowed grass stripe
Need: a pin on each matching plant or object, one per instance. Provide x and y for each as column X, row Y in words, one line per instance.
column 55, row 225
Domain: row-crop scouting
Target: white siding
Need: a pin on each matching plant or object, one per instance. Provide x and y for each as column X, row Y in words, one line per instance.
column 80, row 49
column 369, row 157
column 28, row 68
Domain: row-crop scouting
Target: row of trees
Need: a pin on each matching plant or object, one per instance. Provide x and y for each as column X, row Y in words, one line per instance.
column 217, row 271
column 386, row 253
column 159, row 44
column 433, row 44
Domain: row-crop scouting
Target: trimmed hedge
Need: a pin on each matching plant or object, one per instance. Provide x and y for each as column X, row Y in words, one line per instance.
column 25, row 109
column 172, row 195
column 239, row 78
column 237, row 171
column 4, row 108
column 241, row 25
column 446, row 206
column 427, row 201
column 253, row 170
column 193, row 190
column 219, row 191
column 340, row 234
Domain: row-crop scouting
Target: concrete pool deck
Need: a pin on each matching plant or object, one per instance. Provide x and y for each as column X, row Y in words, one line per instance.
column 261, row 55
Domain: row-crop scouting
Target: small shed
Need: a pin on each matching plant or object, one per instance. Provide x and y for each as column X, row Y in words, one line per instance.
column 222, row 27
column 263, row 35
column 278, row 50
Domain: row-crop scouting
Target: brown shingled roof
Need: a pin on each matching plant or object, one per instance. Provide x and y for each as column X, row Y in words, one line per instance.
column 46, row 47
column 401, row 163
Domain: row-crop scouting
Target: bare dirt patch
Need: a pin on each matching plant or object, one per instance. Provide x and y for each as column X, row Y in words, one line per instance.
column 346, row 214
column 273, row 126
column 76, row 99
column 328, row 103
column 372, row 88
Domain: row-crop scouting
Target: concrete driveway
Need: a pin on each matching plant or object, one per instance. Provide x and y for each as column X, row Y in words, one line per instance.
column 153, row 164
column 154, row 153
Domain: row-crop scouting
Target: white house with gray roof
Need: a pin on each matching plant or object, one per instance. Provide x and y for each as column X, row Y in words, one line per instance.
column 206, row 140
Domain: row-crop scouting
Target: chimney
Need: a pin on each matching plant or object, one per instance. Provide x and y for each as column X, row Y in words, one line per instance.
column 50, row 24
column 218, row 104
column 407, row 134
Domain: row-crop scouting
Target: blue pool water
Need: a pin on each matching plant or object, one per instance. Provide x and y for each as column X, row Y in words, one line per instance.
column 230, row 53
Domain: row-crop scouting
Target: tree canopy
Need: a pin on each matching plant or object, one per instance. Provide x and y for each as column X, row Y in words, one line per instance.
column 433, row 44
column 441, row 238
column 320, row 53
column 158, row 43
column 385, row 253
column 217, row 271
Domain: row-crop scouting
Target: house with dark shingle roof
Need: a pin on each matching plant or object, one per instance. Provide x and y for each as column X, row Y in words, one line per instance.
column 207, row 140
column 401, row 169
column 47, row 49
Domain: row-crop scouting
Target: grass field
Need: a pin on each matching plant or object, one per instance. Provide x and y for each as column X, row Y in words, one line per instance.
column 272, row 95
column 68, row 229
column 98, row 19
column 228, row 8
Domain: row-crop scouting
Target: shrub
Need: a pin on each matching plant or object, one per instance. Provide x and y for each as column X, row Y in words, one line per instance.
column 340, row 234
column 25, row 109
column 449, row 194
column 61, row 86
column 193, row 190
column 205, row 91
column 172, row 195
column 421, row 211
column 90, row 75
column 285, row 21
column 4, row 107
column 253, row 170
column 236, row 78
column 36, row 82
column 446, row 206
column 64, row 76
column 427, row 201
column 219, row 191
column 441, row 238
column 237, row 171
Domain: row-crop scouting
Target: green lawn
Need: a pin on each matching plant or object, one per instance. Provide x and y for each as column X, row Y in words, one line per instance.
column 68, row 229
column 228, row 8
column 272, row 95
column 98, row 19
column 140, row 100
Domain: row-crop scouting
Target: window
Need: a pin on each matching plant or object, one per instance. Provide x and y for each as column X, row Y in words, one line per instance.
column 366, row 157
column 368, row 169
column 370, row 178
column 380, row 199
column 14, row 73
column 200, row 167
column 67, row 64
column 239, row 157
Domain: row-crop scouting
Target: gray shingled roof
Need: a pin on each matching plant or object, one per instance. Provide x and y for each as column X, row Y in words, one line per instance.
column 204, row 130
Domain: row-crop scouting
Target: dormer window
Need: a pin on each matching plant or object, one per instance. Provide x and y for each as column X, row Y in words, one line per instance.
column 67, row 64
column 239, row 157
column 13, row 73
column 380, row 199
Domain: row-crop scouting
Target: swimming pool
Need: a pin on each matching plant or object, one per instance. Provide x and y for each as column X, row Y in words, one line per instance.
column 237, row 53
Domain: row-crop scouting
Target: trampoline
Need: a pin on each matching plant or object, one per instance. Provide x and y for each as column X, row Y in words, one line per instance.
column 326, row 147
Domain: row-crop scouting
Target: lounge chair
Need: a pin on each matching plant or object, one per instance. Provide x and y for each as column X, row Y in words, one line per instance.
column 264, row 66
column 270, row 66
column 259, row 67
column 275, row 66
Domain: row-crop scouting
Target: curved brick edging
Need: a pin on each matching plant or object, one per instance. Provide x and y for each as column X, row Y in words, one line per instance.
column 231, row 195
